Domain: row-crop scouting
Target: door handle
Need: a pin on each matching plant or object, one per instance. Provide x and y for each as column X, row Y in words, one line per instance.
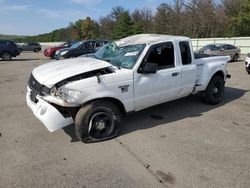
column 175, row 73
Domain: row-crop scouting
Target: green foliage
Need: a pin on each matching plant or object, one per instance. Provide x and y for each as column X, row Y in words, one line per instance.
column 124, row 26
column 11, row 37
column 241, row 22
column 80, row 30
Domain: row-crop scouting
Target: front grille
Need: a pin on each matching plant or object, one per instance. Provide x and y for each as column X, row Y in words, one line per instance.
column 36, row 87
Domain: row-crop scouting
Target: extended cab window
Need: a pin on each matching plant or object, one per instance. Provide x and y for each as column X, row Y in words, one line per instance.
column 185, row 53
column 162, row 55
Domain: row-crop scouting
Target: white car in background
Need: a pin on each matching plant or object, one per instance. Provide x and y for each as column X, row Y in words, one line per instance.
column 248, row 63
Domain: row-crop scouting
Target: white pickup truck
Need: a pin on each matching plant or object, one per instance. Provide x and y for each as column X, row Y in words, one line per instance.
column 124, row 76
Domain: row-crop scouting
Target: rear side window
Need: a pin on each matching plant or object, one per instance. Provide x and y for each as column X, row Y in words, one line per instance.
column 229, row 47
column 89, row 45
column 185, row 53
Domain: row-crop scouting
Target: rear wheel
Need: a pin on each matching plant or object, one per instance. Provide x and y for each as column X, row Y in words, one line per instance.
column 235, row 58
column 6, row 56
column 97, row 121
column 36, row 50
column 215, row 91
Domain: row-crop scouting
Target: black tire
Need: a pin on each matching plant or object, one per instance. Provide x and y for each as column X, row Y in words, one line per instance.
column 97, row 121
column 53, row 55
column 6, row 56
column 36, row 50
column 215, row 91
column 235, row 58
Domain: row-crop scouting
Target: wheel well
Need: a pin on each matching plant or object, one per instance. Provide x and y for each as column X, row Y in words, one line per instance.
column 5, row 51
column 117, row 102
column 218, row 73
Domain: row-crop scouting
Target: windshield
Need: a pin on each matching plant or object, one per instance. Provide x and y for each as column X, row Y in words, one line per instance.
column 125, row 56
column 76, row 45
column 63, row 45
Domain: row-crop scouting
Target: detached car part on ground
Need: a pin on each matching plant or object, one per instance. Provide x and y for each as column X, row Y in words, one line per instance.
column 80, row 48
column 124, row 76
column 32, row 46
column 8, row 49
column 221, row 50
column 247, row 62
column 50, row 52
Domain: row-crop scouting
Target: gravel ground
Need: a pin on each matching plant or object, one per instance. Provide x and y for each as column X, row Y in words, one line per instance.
column 183, row 143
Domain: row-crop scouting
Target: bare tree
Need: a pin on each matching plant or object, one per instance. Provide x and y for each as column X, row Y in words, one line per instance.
column 163, row 21
column 107, row 26
column 144, row 18
column 231, row 7
column 178, row 6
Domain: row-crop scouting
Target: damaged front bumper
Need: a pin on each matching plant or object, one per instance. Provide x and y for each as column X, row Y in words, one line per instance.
column 46, row 113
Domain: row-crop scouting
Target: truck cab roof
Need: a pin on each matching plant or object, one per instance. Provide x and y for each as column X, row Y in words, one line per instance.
column 148, row 39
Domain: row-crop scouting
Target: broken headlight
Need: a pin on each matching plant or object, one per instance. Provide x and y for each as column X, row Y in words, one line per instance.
column 67, row 95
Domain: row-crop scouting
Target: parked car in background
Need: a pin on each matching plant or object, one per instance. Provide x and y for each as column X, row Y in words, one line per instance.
column 80, row 48
column 248, row 63
column 221, row 50
column 32, row 46
column 50, row 52
column 8, row 49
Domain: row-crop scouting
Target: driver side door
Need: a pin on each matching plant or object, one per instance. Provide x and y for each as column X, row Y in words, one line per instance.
column 162, row 86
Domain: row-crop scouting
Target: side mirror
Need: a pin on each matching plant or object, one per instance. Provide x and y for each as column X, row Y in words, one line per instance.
column 149, row 68
column 222, row 49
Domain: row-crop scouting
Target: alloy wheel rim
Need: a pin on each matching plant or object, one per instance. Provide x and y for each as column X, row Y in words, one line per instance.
column 6, row 56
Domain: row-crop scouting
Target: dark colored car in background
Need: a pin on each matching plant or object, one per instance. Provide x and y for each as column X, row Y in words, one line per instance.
column 50, row 52
column 31, row 46
column 247, row 62
column 80, row 48
column 221, row 50
column 8, row 49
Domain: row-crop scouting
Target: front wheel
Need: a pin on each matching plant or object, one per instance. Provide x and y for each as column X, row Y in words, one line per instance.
column 36, row 50
column 235, row 58
column 53, row 55
column 215, row 91
column 6, row 56
column 97, row 121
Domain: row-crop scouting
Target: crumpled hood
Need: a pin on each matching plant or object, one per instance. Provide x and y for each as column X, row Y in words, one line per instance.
column 51, row 73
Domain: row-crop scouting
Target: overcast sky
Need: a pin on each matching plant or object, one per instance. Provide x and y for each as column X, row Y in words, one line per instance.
column 31, row 17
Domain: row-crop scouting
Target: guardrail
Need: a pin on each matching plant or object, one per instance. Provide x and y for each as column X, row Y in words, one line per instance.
column 242, row 42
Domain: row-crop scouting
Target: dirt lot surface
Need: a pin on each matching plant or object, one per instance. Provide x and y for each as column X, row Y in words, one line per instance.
column 184, row 143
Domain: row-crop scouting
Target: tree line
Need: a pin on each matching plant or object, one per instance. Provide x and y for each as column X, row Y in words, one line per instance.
column 193, row 18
